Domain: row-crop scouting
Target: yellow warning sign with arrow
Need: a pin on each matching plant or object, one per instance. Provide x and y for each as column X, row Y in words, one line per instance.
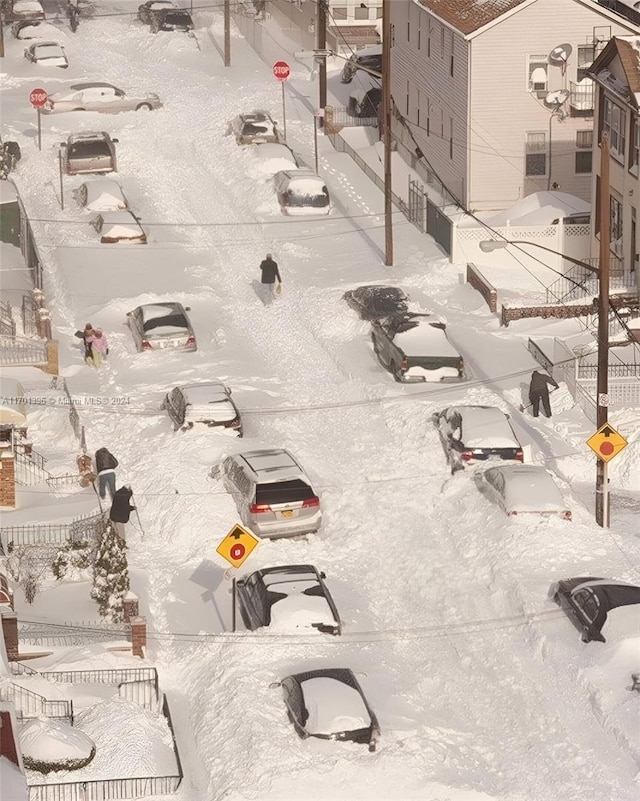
column 607, row 442
column 237, row 545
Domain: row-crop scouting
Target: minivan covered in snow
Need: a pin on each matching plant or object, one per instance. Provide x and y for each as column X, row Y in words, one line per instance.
column 301, row 192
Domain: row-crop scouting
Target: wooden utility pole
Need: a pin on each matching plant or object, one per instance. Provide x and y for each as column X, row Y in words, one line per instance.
column 227, row 33
column 321, row 44
column 386, row 130
column 1, row 34
column 602, row 478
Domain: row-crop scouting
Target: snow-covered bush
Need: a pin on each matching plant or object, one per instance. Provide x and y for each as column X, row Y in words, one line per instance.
column 28, row 566
column 110, row 575
column 49, row 745
column 72, row 561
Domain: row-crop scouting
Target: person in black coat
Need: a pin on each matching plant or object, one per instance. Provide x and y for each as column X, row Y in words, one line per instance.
column 539, row 391
column 121, row 508
column 270, row 273
column 106, row 464
column 85, row 336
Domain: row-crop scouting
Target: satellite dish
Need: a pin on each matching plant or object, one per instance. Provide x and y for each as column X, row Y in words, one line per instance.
column 560, row 55
column 557, row 98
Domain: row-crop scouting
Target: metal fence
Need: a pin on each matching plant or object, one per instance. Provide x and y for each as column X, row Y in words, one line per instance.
column 22, row 351
column 31, row 705
column 115, row 789
column 29, row 316
column 86, row 528
column 71, row 634
column 7, row 323
column 341, row 118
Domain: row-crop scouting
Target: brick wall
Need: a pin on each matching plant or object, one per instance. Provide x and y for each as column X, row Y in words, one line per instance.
column 7, row 479
column 10, row 634
column 138, row 635
column 479, row 282
column 559, row 312
column 8, row 739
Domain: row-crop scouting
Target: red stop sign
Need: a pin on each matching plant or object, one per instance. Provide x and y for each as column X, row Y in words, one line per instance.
column 281, row 70
column 37, row 98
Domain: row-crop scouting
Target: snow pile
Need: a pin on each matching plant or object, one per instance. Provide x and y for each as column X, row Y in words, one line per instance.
column 49, row 745
column 12, row 781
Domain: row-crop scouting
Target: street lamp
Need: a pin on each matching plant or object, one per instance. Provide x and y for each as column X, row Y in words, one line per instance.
column 602, row 480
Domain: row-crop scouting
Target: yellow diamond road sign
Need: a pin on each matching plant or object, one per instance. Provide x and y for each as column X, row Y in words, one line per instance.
column 237, row 545
column 607, row 443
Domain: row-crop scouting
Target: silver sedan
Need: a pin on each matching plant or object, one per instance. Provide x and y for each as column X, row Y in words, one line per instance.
column 98, row 97
column 162, row 326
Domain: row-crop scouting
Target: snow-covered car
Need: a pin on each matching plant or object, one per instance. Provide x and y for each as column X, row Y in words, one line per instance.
column 101, row 195
column 331, row 705
column 208, row 404
column 270, row 158
column 96, row 96
column 36, row 29
column 301, row 192
column 523, row 489
column 601, row 609
column 254, row 128
column 89, row 152
column 287, row 599
column 414, row 347
column 171, row 20
column 273, row 494
column 369, row 56
column 25, row 10
column 162, row 326
column 472, row 434
column 147, row 10
column 376, row 301
column 49, row 54
column 119, row 226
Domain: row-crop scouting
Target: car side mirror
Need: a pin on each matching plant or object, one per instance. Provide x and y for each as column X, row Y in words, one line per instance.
column 63, row 144
column 275, row 684
column 187, row 308
column 115, row 141
column 215, row 471
column 323, row 575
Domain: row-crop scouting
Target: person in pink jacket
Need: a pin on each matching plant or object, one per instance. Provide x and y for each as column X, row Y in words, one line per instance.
column 99, row 347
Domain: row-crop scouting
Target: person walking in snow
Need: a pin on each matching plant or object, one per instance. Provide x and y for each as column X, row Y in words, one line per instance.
column 106, row 464
column 270, row 273
column 85, row 335
column 99, row 347
column 121, row 508
column 539, row 391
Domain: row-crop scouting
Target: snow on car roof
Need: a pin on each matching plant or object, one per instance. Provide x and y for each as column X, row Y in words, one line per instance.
column 27, row 5
column 269, row 460
column 486, row 427
column 297, row 611
column 152, row 310
column 120, row 224
column 200, row 394
column 333, row 706
column 424, row 340
column 104, row 195
column 622, row 622
column 530, row 488
column 48, row 49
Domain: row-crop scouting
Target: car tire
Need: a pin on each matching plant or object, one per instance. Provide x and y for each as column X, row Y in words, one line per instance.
column 143, row 107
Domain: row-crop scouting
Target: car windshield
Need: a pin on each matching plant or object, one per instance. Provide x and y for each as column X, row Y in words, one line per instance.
column 174, row 320
column 176, row 18
column 89, row 149
column 317, row 198
column 283, row 492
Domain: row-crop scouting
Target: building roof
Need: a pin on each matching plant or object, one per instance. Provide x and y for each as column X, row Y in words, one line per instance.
column 627, row 49
column 467, row 16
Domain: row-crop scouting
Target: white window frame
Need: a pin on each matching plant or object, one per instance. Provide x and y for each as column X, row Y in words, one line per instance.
column 614, row 122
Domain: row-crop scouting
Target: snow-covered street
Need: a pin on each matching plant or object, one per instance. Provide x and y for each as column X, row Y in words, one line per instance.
column 482, row 687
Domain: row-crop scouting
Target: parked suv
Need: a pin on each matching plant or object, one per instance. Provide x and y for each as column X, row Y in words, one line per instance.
column 272, row 492
column 208, row 404
column 88, row 153
column 370, row 57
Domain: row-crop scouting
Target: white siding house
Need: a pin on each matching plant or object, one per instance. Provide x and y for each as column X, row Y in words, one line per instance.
column 490, row 94
column 617, row 76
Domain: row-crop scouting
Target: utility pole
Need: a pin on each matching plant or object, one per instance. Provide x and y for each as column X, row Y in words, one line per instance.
column 602, row 478
column 1, row 33
column 227, row 33
column 386, row 124
column 321, row 44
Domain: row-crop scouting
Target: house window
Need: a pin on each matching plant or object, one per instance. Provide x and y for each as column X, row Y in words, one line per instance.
column 537, row 80
column 615, row 233
column 586, row 56
column 536, row 157
column 614, row 122
column 361, row 12
column 379, row 12
column 451, row 137
column 339, row 12
column 584, row 144
column 634, row 154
